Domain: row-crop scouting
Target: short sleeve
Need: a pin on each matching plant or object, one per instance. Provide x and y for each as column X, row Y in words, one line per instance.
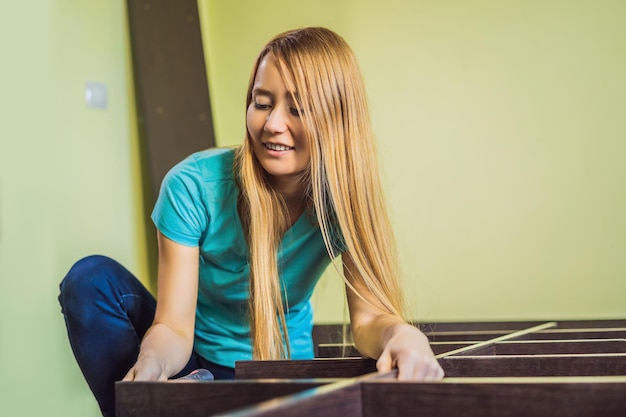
column 180, row 212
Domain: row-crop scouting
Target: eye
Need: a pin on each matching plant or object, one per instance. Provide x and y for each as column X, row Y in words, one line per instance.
column 294, row 111
column 261, row 106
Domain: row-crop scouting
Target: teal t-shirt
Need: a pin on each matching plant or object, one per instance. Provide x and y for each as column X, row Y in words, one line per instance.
column 197, row 206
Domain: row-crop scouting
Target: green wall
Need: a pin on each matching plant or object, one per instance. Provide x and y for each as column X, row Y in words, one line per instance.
column 68, row 185
column 501, row 131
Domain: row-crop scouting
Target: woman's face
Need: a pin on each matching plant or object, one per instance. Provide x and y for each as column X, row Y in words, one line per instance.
column 272, row 119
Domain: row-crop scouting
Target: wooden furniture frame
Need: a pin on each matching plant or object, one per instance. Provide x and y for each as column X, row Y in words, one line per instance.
column 564, row 368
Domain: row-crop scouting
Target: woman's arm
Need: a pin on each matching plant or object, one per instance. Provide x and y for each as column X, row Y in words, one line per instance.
column 382, row 335
column 168, row 343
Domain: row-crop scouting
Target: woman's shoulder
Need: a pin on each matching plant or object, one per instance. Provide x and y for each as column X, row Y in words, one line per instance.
column 212, row 164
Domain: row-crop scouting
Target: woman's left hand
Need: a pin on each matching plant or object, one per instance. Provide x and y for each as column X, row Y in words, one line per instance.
column 380, row 334
column 407, row 349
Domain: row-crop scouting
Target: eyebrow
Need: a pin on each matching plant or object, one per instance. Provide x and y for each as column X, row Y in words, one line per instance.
column 260, row 91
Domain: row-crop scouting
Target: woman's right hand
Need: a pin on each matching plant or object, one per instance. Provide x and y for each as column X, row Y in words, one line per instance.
column 168, row 343
column 147, row 368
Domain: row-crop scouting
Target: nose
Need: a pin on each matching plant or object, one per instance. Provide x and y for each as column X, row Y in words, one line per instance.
column 276, row 121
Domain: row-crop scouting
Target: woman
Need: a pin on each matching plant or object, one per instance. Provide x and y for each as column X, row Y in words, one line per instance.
column 244, row 235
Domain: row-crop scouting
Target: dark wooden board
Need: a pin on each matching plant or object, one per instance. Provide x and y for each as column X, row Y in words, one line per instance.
column 314, row 368
column 495, row 399
column 511, row 326
column 341, row 399
column 454, row 366
column 515, row 347
column 547, row 347
column 451, row 331
column 534, row 365
column 561, row 371
column 327, row 333
column 199, row 399
column 552, row 397
column 337, row 350
column 569, row 334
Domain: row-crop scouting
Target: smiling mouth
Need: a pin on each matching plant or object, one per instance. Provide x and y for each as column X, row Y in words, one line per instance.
column 277, row 147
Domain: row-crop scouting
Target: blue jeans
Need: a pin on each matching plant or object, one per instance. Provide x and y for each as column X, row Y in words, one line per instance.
column 107, row 312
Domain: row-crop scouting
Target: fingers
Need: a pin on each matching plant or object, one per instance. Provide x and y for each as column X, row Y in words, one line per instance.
column 130, row 375
column 384, row 363
column 149, row 374
column 146, row 370
column 412, row 365
column 418, row 368
column 430, row 370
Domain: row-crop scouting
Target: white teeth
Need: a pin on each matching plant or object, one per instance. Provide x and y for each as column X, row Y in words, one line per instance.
column 275, row 147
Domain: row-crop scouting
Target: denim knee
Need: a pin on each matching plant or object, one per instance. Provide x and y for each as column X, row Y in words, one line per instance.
column 107, row 312
column 86, row 276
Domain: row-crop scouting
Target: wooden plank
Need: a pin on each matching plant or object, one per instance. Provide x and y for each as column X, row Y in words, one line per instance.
column 325, row 335
column 364, row 397
column 474, row 333
column 467, row 337
column 465, row 331
column 338, row 350
column 497, row 384
column 534, row 365
column 200, row 399
column 547, row 347
column 445, row 347
column 555, row 334
column 494, row 399
column 511, row 326
column 597, row 324
column 314, row 368
column 479, row 326
column 453, row 366
column 509, row 336
column 513, row 347
column 580, row 333
column 341, row 399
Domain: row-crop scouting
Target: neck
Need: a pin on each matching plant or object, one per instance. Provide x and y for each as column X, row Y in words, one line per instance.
column 292, row 191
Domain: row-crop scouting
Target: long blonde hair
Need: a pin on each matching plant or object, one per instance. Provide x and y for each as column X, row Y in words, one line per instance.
column 341, row 182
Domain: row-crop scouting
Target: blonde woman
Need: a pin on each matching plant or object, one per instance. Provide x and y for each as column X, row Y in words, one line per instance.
column 245, row 233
